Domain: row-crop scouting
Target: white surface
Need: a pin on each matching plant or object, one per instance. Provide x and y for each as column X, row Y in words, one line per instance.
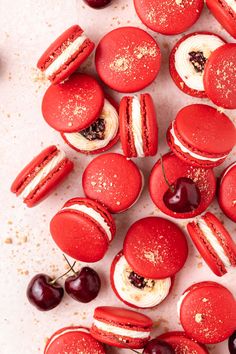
column 27, row 27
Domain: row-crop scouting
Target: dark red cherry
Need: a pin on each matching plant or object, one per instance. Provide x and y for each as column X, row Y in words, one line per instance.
column 156, row 346
column 97, row 4
column 44, row 293
column 232, row 343
column 84, row 286
column 183, row 196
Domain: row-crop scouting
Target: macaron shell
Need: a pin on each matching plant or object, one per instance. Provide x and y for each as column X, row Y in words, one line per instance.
column 155, row 248
column 76, row 341
column 112, row 180
column 174, row 169
column 227, row 193
column 73, row 105
column 205, row 130
column 168, row 17
column 126, row 137
column 47, row 186
column 224, row 15
column 208, row 313
column 128, row 59
column 220, row 76
column 108, row 146
column 79, row 235
column 150, row 136
column 174, row 74
column 182, row 344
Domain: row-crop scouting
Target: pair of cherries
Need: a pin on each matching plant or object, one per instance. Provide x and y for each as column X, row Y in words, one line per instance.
column 46, row 293
column 156, row 346
column 97, row 4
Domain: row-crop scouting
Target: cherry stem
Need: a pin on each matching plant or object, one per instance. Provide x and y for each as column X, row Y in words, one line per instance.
column 61, row 276
column 71, row 266
column 164, row 175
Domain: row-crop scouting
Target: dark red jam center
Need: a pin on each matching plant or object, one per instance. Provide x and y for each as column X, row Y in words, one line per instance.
column 95, row 131
column 198, row 61
column 137, row 281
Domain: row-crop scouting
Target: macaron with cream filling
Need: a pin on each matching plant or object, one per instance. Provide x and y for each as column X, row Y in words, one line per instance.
column 201, row 136
column 65, row 54
column 138, row 126
column 120, row 327
column 169, row 17
column 227, row 192
column 207, row 312
column 73, row 340
column 135, row 290
column 155, row 248
column 100, row 135
column 83, row 229
column 114, row 181
column 73, row 105
column 188, row 59
column 225, row 13
column 214, row 243
column 38, row 179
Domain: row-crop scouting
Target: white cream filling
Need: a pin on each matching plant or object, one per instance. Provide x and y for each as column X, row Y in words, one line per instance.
column 137, row 125
column 65, row 56
column 179, row 303
column 185, row 150
column 109, row 114
column 205, row 43
column 227, row 171
column 232, row 4
column 121, row 331
column 150, row 296
column 94, row 215
column 215, row 244
column 46, row 170
column 55, row 337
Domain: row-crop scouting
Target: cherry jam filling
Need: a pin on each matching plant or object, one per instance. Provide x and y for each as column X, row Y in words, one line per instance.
column 139, row 281
column 95, row 131
column 198, row 61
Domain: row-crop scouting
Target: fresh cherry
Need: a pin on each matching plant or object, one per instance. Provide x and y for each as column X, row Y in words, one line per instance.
column 83, row 286
column 97, row 4
column 44, row 293
column 232, row 343
column 156, row 346
column 183, row 196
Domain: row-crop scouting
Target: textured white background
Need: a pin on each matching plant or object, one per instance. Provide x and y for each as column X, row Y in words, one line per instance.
column 27, row 28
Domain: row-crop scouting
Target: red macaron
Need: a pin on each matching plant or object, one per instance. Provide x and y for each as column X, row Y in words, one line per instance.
column 225, row 12
column 188, row 59
column 182, row 344
column 120, row 327
column 207, row 312
column 201, row 136
column 227, row 192
column 176, row 169
column 73, row 340
column 101, row 135
column 114, row 181
column 128, row 59
column 214, row 243
column 138, row 126
column 134, row 290
column 169, row 17
column 220, row 76
column 73, row 105
column 65, row 54
column 155, row 248
column 38, row 179
column 83, row 229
